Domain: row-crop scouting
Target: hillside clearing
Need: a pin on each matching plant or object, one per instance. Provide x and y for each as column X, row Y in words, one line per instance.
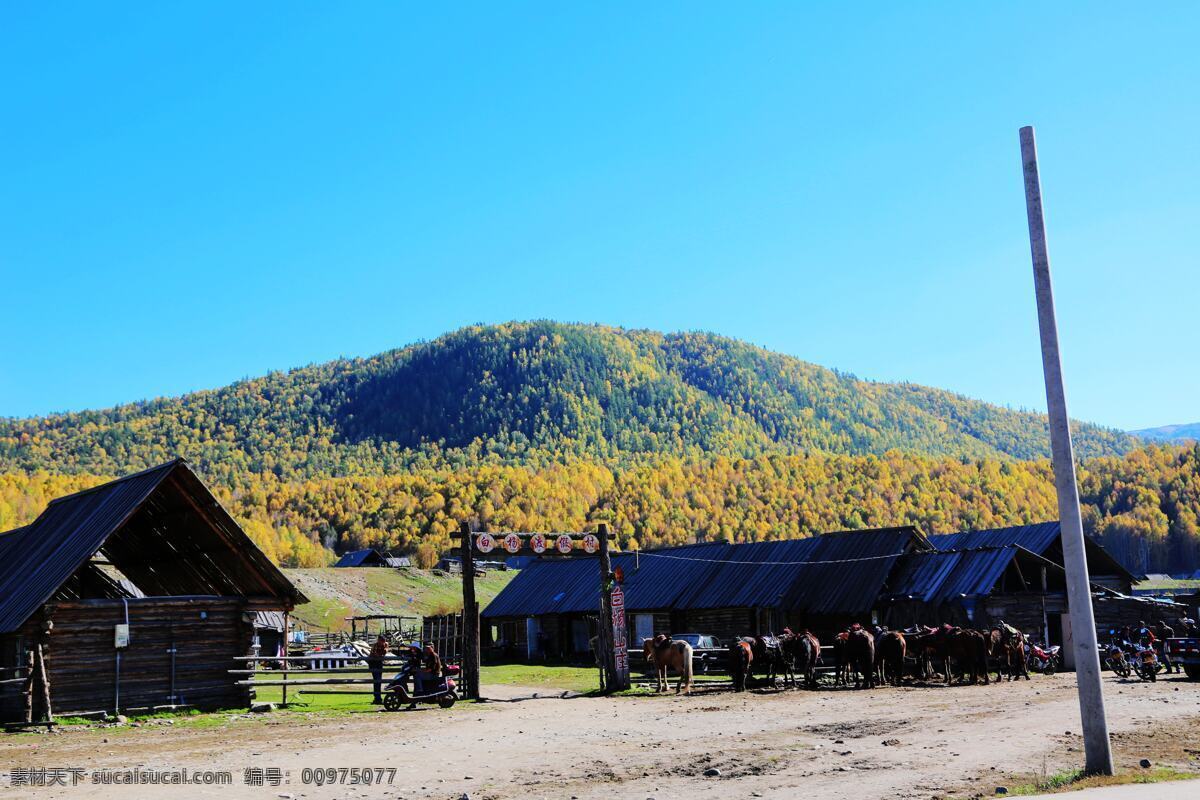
column 335, row 594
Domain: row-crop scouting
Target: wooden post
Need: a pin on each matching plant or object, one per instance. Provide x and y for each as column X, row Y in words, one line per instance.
column 1096, row 746
column 615, row 680
column 470, row 617
column 604, row 638
column 1045, row 619
column 285, row 662
column 40, row 658
column 28, row 687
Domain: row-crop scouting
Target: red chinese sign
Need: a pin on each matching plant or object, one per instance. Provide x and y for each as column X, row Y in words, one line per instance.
column 620, row 647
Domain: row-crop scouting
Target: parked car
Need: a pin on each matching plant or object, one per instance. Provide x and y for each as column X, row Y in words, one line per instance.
column 707, row 651
column 1185, row 650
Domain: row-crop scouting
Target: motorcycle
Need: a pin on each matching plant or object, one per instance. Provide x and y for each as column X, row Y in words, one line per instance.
column 1114, row 659
column 1146, row 663
column 1044, row 659
column 444, row 692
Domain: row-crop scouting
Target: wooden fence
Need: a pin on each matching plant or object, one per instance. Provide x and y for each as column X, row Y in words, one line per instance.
column 446, row 632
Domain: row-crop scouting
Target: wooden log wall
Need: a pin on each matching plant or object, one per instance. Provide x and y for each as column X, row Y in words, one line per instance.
column 12, row 669
column 1117, row 612
column 726, row 624
column 205, row 632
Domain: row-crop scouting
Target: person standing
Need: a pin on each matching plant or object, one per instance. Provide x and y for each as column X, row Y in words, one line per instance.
column 375, row 664
column 1165, row 632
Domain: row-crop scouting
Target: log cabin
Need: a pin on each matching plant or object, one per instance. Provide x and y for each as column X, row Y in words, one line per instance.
column 133, row 595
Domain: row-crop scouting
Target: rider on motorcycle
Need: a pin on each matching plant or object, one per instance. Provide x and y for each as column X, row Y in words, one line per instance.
column 425, row 667
column 429, row 669
column 1146, row 636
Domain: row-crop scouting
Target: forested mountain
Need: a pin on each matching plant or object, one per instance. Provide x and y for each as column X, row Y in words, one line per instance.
column 1144, row 506
column 531, row 394
column 1171, row 433
column 543, row 426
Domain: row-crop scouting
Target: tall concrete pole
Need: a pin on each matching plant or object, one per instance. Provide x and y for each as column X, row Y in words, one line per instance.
column 1097, row 751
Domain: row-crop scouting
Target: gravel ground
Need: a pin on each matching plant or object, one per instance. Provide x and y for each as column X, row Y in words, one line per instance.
column 920, row 742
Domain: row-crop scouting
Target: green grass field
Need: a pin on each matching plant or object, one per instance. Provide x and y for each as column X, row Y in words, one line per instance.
column 335, row 700
column 537, row 677
column 1159, row 584
column 1074, row 780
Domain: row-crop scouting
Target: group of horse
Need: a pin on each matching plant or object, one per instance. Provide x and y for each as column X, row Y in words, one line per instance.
column 861, row 657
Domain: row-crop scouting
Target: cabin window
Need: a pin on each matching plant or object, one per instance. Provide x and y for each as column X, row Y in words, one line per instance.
column 643, row 627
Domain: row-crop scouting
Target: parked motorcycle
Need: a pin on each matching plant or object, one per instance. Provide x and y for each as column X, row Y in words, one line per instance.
column 1045, row 660
column 1114, row 659
column 1146, row 663
column 444, row 692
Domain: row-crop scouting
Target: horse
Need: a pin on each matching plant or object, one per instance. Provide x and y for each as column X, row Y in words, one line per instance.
column 890, row 650
column 965, row 647
column 741, row 656
column 921, row 643
column 768, row 651
column 1008, row 648
column 841, row 659
column 666, row 654
column 860, row 648
column 803, row 652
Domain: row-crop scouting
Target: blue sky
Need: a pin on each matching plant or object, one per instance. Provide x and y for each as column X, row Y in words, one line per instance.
column 195, row 193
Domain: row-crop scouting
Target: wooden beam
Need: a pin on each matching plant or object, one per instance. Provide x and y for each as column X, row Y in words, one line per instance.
column 471, row 660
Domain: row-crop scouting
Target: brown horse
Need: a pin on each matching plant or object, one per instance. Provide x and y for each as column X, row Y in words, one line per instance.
column 741, row 656
column 1008, row 649
column 803, row 652
column 666, row 654
column 860, row 649
column 841, row 659
column 890, row 650
column 967, row 649
column 768, row 651
column 921, row 643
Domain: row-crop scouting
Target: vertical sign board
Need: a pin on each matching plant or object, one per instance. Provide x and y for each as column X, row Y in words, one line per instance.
column 620, row 648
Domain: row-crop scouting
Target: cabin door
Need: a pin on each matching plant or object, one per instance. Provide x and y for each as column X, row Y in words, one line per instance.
column 533, row 638
column 580, row 640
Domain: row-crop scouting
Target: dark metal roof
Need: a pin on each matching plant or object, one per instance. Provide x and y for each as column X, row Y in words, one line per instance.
column 853, row 587
column 572, row 586
column 36, row 560
column 1042, row 538
column 1034, row 538
column 938, row 577
column 356, row 558
column 852, row 570
column 842, row 574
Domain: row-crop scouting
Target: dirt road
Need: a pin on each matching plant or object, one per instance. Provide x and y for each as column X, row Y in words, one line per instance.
column 920, row 742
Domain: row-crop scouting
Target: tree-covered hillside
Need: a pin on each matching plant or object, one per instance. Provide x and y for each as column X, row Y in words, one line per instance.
column 1144, row 506
column 543, row 426
column 530, row 394
column 1171, row 433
